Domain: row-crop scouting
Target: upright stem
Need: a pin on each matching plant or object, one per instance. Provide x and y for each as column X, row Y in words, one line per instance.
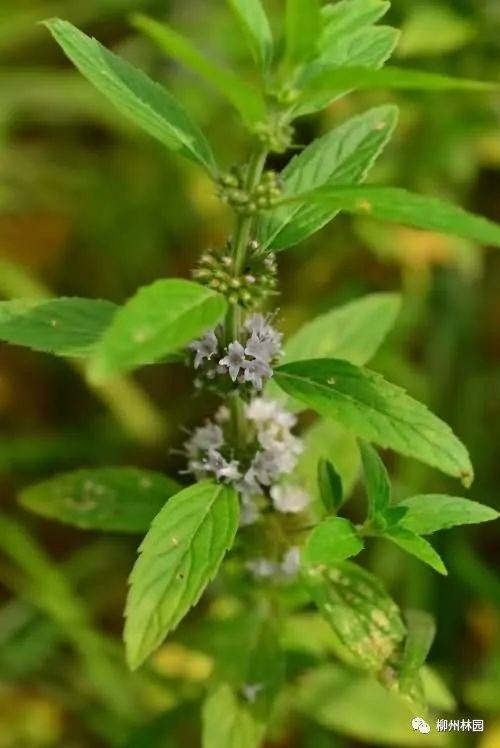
column 241, row 239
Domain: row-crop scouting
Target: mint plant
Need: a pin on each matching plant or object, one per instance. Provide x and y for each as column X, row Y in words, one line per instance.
column 241, row 509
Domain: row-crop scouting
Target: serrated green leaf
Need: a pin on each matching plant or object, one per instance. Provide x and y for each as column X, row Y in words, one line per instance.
column 353, row 332
column 247, row 100
column 228, row 721
column 378, row 485
column 399, row 206
column 111, row 499
column 359, row 610
column 135, row 95
column 65, row 326
column 330, row 486
column 343, row 156
column 255, row 24
column 421, row 632
column 430, row 513
column 331, row 78
column 302, row 30
column 375, row 410
column 333, row 540
column 160, row 319
column 368, row 47
column 179, row 556
column 415, row 546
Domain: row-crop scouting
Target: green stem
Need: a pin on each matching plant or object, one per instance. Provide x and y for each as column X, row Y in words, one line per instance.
column 241, row 239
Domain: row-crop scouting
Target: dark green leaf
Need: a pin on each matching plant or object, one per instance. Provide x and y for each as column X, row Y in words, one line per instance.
column 134, row 94
column 303, row 27
column 255, row 25
column 378, row 485
column 160, row 319
column 333, row 540
column 111, row 499
column 375, row 410
column 399, row 206
column 359, row 610
column 433, row 512
column 65, row 327
column 179, row 556
column 343, row 156
column 246, row 99
column 330, row 486
column 416, row 546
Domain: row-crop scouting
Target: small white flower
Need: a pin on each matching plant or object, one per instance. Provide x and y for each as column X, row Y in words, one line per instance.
column 263, row 350
column 234, row 360
column 250, row 691
column 264, row 468
column 290, row 563
column 223, row 414
column 289, row 499
column 204, row 348
column 249, row 513
column 257, row 324
column 261, row 568
column 204, row 438
column 215, row 463
column 256, row 371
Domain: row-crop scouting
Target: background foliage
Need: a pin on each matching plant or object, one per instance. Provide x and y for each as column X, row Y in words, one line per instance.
column 90, row 207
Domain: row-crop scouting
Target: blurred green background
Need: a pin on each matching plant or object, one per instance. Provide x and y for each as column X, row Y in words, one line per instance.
column 91, row 207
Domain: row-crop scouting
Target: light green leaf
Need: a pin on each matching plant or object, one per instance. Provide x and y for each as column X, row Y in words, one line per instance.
column 228, row 722
column 378, row 485
column 433, row 512
column 302, row 30
column 357, row 607
column 135, row 95
column 246, row 99
column 451, row 30
column 255, row 25
column 421, row 633
column 343, row 156
column 179, row 556
column 111, row 499
column 65, row 327
column 347, row 16
column 160, row 319
column 399, row 206
column 355, row 705
column 333, row 540
column 330, row 486
column 416, row 546
column 368, row 47
column 334, row 78
column 375, row 410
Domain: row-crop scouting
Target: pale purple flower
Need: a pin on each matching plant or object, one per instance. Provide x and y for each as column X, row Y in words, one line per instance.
column 289, row 499
column 290, row 564
column 249, row 512
column 264, row 468
column 256, row 371
column 217, row 464
column 204, row 348
column 261, row 568
column 234, row 360
column 204, row 438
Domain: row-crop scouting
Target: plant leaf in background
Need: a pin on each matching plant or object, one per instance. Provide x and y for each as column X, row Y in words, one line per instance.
column 135, row 95
column 357, row 607
column 160, row 319
column 246, row 99
column 347, row 16
column 302, row 31
column 377, row 411
column 345, row 155
column 378, row 486
column 330, row 486
column 399, row 206
column 179, row 556
column 333, row 78
column 228, row 722
column 255, row 25
column 333, row 540
column 415, row 546
column 421, row 632
column 110, row 499
column 64, row 327
column 431, row 513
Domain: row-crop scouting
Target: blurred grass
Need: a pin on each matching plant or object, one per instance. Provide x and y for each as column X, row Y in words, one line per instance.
column 89, row 206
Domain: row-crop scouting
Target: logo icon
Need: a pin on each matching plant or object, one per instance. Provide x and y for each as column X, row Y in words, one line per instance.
column 420, row 725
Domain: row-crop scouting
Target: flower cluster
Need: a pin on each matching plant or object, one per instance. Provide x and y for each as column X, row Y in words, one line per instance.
column 284, row 570
column 246, row 362
column 248, row 289
column 265, row 195
column 258, row 474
